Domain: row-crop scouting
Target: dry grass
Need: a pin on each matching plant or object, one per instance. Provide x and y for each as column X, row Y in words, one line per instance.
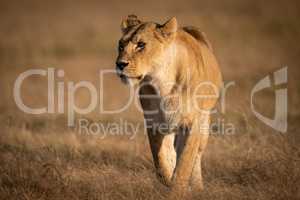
column 72, row 166
column 42, row 159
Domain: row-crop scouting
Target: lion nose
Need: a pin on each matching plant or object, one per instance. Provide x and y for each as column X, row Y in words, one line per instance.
column 121, row 64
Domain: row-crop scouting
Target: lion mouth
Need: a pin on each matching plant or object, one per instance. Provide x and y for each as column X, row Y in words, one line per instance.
column 131, row 77
column 125, row 78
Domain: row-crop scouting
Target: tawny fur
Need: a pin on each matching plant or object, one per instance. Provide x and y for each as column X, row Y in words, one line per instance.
column 173, row 67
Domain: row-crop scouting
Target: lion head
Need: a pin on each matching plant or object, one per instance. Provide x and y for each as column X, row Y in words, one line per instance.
column 141, row 47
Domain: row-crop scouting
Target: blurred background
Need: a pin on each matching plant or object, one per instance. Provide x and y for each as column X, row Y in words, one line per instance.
column 251, row 39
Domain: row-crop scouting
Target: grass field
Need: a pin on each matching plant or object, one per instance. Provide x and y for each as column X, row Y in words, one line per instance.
column 41, row 158
column 56, row 165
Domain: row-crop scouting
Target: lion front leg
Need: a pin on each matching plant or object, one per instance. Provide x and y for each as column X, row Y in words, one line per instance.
column 184, row 167
column 196, row 181
column 188, row 167
column 164, row 155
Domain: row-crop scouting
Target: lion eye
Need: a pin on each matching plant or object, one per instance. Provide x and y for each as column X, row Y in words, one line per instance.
column 121, row 47
column 141, row 45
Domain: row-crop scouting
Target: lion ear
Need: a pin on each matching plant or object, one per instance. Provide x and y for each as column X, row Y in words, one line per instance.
column 129, row 22
column 169, row 27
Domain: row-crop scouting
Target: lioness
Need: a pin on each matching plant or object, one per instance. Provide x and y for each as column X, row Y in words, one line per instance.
column 179, row 81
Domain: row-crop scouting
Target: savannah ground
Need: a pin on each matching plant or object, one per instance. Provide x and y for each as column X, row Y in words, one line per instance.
column 41, row 158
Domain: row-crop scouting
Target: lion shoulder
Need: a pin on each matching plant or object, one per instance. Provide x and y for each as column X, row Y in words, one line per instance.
column 198, row 35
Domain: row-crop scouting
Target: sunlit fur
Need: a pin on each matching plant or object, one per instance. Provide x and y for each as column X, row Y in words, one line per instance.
column 174, row 62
